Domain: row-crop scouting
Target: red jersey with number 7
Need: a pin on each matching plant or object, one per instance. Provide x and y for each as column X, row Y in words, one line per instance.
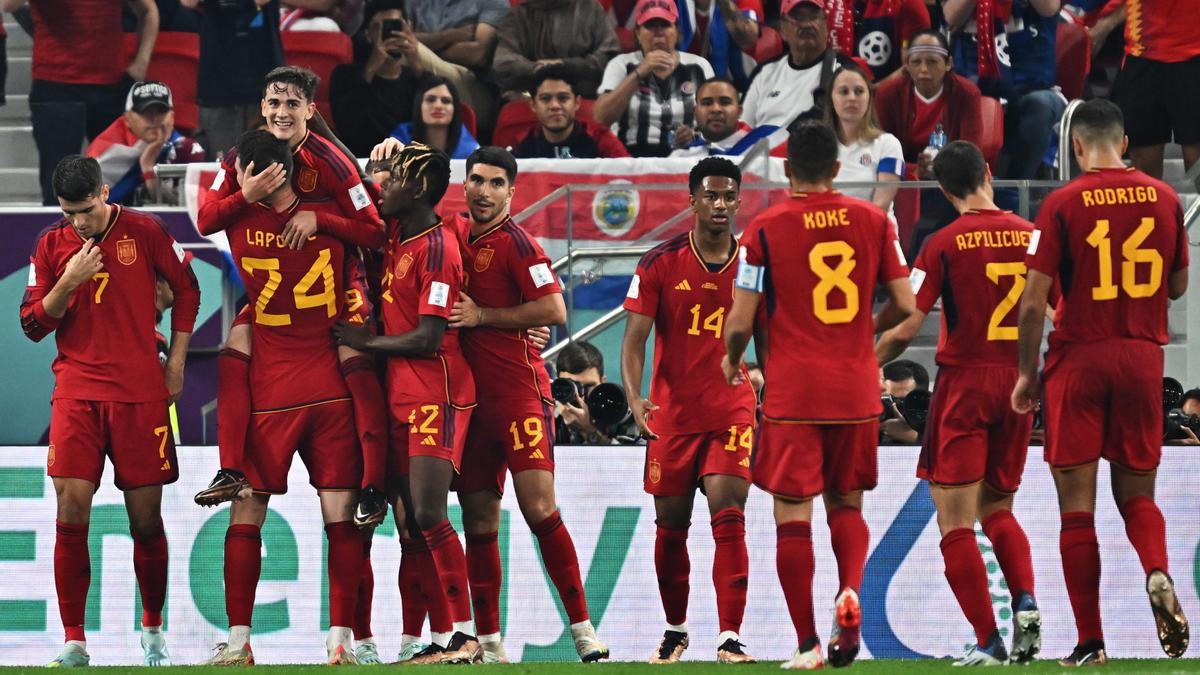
column 817, row 258
column 1111, row 237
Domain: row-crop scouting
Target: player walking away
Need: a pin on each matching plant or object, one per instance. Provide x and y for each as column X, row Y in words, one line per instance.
column 301, row 402
column 321, row 173
column 510, row 288
column 975, row 444
column 430, row 388
column 92, row 278
column 815, row 261
column 700, row 429
column 1114, row 239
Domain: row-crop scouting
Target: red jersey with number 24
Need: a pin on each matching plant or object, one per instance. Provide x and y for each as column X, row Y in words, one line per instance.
column 816, row 258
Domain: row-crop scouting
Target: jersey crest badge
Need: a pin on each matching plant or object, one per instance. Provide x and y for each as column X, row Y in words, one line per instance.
column 126, row 251
column 402, row 267
column 50, row 456
column 484, row 258
column 307, row 180
column 655, row 471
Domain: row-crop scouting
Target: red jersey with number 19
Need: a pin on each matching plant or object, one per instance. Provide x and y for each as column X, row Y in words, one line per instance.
column 817, row 258
column 1111, row 237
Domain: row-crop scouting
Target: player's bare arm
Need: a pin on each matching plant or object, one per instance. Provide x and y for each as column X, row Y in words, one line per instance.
column 900, row 305
column 80, row 268
column 739, row 328
column 548, row 310
column 422, row 342
column 633, row 364
column 146, row 12
column 1177, row 284
column 893, row 342
column 176, row 358
column 1029, row 337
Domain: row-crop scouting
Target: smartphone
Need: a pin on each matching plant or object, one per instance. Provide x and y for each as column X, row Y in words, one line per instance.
column 391, row 27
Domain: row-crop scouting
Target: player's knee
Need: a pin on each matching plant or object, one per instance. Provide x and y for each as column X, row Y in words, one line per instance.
column 429, row 516
column 74, row 512
column 145, row 526
column 537, row 509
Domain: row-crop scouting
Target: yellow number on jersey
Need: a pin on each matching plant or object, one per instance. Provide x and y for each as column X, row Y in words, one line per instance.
column 532, row 426
column 713, row 322
column 163, row 433
column 833, row 278
column 303, row 299
column 1107, row 290
column 744, row 440
column 994, row 271
column 426, row 427
column 101, row 277
column 261, row 315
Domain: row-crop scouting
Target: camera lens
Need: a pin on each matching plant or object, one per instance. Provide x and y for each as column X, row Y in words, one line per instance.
column 565, row 390
column 607, row 404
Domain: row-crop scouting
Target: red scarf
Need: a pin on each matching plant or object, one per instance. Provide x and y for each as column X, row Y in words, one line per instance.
column 841, row 25
column 985, row 33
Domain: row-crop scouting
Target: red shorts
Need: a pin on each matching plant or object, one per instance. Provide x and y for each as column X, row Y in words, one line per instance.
column 800, row 461
column 675, row 464
column 1104, row 399
column 136, row 437
column 425, row 430
column 357, row 305
column 972, row 433
column 323, row 434
column 512, row 434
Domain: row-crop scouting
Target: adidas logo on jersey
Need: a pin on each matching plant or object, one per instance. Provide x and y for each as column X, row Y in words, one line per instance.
column 537, row 454
column 428, row 440
column 683, row 286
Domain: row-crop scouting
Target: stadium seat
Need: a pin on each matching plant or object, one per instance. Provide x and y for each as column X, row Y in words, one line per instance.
column 769, row 44
column 625, row 37
column 175, row 61
column 907, row 207
column 515, row 120
column 991, row 114
column 467, row 114
column 320, row 52
column 1072, row 57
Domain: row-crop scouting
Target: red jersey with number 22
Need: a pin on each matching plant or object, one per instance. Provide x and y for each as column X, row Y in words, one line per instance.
column 817, row 258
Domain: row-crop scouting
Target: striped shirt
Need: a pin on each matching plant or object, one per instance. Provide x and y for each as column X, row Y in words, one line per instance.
column 658, row 106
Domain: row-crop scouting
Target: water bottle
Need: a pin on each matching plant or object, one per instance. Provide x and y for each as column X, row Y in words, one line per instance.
column 937, row 140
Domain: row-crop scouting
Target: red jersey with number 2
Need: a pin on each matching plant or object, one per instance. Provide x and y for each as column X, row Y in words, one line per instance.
column 816, row 259
column 1111, row 237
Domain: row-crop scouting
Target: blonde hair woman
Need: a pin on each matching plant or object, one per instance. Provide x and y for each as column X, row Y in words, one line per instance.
column 866, row 152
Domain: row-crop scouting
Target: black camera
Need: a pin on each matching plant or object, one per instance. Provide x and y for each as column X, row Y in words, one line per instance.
column 889, row 407
column 913, row 409
column 566, row 390
column 606, row 402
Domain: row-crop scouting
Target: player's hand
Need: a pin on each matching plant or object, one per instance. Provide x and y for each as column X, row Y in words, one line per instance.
column 297, row 231
column 173, row 374
column 640, row 408
column 349, row 335
column 386, row 148
column 137, row 69
column 1025, row 395
column 87, row 261
column 733, row 371
column 465, row 313
column 257, row 188
column 684, row 135
column 539, row 337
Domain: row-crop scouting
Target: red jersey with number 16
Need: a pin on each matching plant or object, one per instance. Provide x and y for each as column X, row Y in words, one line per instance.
column 1111, row 237
column 689, row 302
column 817, row 258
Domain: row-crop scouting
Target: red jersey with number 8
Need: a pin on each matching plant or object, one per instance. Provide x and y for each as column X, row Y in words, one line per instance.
column 817, row 258
column 1111, row 237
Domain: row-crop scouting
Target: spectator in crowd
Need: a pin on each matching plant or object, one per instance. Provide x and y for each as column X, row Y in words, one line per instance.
column 538, row 33
column 582, row 362
column 458, row 40
column 559, row 132
column 876, row 30
column 794, row 85
column 79, row 78
column 135, row 142
column 899, row 377
column 374, row 93
column 331, row 16
column 646, row 93
column 866, row 152
column 1190, row 403
column 437, row 120
column 719, row 127
column 172, row 17
column 725, row 33
column 239, row 45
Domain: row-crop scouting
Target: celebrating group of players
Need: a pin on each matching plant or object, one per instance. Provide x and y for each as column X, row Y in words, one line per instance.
column 456, row 309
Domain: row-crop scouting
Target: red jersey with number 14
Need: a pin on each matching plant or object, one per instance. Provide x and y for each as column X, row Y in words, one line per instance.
column 689, row 302
column 817, row 258
column 1111, row 237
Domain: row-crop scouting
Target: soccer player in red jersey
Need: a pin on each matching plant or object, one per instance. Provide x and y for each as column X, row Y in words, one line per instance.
column 975, row 445
column 1114, row 240
column 700, row 431
column 430, row 388
column 92, row 279
column 510, row 288
column 321, row 173
column 301, row 403
column 815, row 261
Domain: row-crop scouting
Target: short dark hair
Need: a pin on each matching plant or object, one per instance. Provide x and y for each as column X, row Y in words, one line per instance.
column 578, row 356
column 557, row 71
column 1189, row 395
column 812, row 150
column 903, row 369
column 494, row 156
column 960, row 168
column 77, row 177
column 418, row 162
column 262, row 148
column 935, row 34
column 303, row 79
column 1098, row 120
column 715, row 80
column 713, row 166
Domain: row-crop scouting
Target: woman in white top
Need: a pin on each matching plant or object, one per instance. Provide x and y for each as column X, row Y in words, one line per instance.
column 867, row 153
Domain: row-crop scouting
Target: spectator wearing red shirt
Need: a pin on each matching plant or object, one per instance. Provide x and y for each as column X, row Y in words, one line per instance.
column 560, row 133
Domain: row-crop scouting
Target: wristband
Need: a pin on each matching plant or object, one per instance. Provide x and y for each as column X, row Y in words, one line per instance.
column 149, row 175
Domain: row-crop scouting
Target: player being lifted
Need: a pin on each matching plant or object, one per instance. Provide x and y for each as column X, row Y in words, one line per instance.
column 430, row 388
column 321, row 173
column 815, row 261
column 700, row 430
column 301, row 403
column 1114, row 240
column 92, row 281
column 510, row 288
column 975, row 444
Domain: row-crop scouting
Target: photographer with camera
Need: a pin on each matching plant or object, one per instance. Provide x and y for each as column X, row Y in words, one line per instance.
column 587, row 409
column 898, row 380
column 1181, row 414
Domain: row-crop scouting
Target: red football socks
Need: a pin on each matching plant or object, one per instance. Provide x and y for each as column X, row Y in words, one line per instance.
column 731, row 567
column 150, row 568
column 796, row 564
column 558, row 555
column 366, row 593
column 1081, row 570
column 233, row 415
column 412, row 600
column 1147, row 531
column 345, row 571
column 850, row 538
column 450, row 564
column 968, row 579
column 673, row 567
column 370, row 417
column 72, row 576
column 243, row 565
column 484, row 574
column 1011, row 547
